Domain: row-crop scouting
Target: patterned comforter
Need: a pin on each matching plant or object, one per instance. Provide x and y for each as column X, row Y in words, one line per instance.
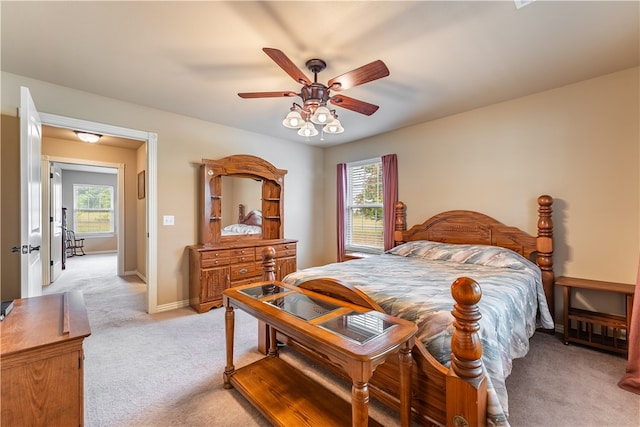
column 413, row 281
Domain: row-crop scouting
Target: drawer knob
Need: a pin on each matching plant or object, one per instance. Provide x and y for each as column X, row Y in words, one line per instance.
column 243, row 271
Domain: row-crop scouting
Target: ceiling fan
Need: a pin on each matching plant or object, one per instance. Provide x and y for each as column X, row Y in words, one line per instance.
column 315, row 96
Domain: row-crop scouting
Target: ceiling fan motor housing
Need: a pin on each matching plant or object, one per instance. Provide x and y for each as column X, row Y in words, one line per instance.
column 314, row 94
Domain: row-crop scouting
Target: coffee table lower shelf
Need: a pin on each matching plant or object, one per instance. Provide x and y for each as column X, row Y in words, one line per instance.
column 288, row 397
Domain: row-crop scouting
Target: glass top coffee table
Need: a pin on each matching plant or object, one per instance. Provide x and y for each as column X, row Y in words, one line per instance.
column 354, row 338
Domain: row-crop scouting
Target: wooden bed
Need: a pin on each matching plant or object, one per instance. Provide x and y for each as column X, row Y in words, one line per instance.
column 247, row 223
column 455, row 396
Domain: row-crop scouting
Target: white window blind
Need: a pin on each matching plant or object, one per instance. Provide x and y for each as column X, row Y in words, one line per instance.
column 364, row 213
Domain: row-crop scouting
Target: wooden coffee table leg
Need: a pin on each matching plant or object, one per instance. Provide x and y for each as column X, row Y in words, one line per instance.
column 273, row 342
column 229, row 326
column 406, row 363
column 359, row 404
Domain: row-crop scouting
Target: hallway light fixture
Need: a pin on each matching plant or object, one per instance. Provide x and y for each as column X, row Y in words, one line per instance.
column 88, row 137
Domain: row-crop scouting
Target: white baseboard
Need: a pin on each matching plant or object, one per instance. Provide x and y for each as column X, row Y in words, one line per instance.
column 173, row 305
column 136, row 273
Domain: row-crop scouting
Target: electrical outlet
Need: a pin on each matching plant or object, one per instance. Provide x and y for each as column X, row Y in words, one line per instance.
column 168, row 220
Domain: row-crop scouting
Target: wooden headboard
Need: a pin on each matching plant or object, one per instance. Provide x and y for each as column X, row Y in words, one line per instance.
column 252, row 218
column 461, row 226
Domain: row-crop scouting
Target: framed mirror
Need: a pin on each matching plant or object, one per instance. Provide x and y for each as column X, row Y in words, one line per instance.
column 241, row 205
column 242, row 199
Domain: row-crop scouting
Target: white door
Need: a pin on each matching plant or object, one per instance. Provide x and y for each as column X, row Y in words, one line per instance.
column 56, row 231
column 30, row 197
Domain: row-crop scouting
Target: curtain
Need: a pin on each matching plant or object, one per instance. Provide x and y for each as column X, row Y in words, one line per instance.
column 389, row 197
column 342, row 190
column 631, row 379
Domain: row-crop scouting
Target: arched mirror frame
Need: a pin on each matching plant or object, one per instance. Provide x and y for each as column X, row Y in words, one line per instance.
column 247, row 166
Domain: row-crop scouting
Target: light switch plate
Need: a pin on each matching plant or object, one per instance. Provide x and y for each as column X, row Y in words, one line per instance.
column 168, row 220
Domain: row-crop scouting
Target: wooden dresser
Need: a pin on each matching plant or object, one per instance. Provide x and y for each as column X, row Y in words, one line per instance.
column 212, row 269
column 42, row 361
column 222, row 260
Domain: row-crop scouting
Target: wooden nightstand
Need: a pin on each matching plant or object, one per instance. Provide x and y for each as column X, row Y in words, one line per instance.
column 579, row 324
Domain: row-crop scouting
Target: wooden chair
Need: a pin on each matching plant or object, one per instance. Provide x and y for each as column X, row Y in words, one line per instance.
column 74, row 245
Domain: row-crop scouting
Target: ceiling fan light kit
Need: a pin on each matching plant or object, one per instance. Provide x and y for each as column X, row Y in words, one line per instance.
column 315, row 96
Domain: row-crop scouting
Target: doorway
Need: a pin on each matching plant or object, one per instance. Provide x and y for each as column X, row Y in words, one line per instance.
column 103, row 229
column 150, row 236
column 64, row 197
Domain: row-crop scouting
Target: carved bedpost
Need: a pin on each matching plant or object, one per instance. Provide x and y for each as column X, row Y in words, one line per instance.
column 240, row 213
column 268, row 264
column 466, row 395
column 401, row 223
column 268, row 275
column 544, row 244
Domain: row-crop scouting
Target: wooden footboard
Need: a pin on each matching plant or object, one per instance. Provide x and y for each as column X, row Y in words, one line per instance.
column 454, row 396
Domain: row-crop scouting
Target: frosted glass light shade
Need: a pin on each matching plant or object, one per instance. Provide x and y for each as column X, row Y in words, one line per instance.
column 334, row 127
column 308, row 130
column 293, row 120
column 322, row 115
column 88, row 137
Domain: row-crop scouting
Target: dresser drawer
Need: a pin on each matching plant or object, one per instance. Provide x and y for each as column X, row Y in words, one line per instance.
column 215, row 258
column 243, row 255
column 244, row 271
column 213, row 262
column 285, row 250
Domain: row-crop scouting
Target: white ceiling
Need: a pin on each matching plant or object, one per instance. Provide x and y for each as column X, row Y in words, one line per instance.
column 192, row 58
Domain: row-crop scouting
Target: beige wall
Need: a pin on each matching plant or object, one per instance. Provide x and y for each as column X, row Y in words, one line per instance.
column 578, row 143
column 182, row 143
column 91, row 244
column 9, row 208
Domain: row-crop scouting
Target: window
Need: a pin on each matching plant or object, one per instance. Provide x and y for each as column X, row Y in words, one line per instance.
column 364, row 212
column 93, row 209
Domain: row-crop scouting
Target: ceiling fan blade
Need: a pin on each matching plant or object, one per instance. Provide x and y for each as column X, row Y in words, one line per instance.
column 289, row 67
column 354, row 104
column 365, row 74
column 266, row 94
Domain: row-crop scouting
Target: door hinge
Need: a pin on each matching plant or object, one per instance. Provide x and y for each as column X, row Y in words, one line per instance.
column 50, row 219
column 51, row 263
column 50, row 174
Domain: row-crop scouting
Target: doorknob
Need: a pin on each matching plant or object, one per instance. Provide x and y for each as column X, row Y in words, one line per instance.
column 24, row 249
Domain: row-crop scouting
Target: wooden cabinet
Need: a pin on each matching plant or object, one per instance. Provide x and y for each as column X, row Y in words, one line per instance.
column 212, row 269
column 42, row 359
column 286, row 261
column 600, row 330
